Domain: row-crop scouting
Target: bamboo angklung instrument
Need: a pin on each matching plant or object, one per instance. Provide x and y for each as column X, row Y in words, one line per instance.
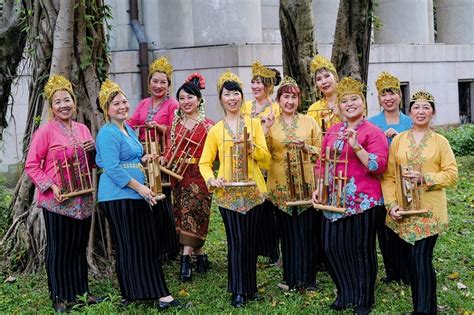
column 71, row 165
column 152, row 169
column 186, row 147
column 299, row 182
column 330, row 181
column 239, row 160
column 411, row 193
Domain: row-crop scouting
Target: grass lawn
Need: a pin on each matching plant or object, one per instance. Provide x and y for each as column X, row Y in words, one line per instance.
column 453, row 259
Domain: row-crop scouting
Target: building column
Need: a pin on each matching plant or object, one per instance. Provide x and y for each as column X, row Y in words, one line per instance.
column 455, row 22
column 405, row 22
column 325, row 16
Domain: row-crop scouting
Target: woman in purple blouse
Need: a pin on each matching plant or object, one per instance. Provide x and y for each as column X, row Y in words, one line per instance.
column 349, row 238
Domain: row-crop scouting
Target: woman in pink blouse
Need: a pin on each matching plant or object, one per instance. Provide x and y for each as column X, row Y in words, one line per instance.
column 349, row 238
column 158, row 111
column 67, row 220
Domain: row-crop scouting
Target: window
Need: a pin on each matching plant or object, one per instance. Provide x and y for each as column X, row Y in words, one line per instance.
column 466, row 100
column 405, row 104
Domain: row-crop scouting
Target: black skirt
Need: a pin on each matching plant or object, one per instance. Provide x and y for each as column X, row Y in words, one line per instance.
column 349, row 245
column 267, row 233
column 165, row 224
column 241, row 230
column 66, row 256
column 136, row 238
column 299, row 247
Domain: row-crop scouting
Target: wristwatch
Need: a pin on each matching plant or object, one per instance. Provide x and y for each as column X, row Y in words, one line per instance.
column 357, row 148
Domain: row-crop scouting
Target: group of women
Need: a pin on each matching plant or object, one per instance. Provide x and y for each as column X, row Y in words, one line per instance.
column 254, row 143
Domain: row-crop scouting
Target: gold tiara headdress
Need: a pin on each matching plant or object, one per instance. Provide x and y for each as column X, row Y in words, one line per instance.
column 288, row 81
column 387, row 81
column 107, row 88
column 161, row 65
column 55, row 83
column 228, row 76
column 258, row 69
column 349, row 85
column 319, row 62
column 423, row 96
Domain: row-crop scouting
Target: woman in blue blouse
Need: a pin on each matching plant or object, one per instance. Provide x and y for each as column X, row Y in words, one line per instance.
column 127, row 203
column 392, row 122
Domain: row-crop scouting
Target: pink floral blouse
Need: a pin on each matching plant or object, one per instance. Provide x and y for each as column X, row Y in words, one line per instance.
column 362, row 190
column 163, row 116
column 40, row 167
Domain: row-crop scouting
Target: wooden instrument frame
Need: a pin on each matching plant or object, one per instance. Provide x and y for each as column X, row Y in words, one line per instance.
column 154, row 171
column 300, row 190
column 237, row 179
column 331, row 198
column 411, row 193
column 178, row 164
column 76, row 177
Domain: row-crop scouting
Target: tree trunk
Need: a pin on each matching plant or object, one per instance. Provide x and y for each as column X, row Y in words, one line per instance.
column 297, row 38
column 13, row 40
column 351, row 47
column 65, row 37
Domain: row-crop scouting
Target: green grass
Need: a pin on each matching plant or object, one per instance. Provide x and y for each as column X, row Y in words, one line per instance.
column 453, row 259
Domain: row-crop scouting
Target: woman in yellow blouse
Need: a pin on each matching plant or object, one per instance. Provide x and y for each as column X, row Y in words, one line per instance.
column 432, row 165
column 325, row 111
column 263, row 81
column 238, row 204
column 289, row 134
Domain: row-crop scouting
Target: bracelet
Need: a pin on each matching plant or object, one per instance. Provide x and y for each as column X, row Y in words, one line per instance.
column 357, row 148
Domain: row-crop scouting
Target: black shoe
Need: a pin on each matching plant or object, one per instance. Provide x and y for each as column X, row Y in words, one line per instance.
column 362, row 310
column 273, row 261
column 336, row 307
column 238, row 300
column 311, row 287
column 202, row 263
column 96, row 299
column 124, row 303
column 254, row 297
column 59, row 306
column 185, row 271
column 166, row 305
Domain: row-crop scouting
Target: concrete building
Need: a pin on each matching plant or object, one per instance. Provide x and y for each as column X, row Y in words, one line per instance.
column 212, row 36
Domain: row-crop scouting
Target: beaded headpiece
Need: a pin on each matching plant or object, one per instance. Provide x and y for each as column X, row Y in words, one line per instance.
column 423, row 96
column 107, row 88
column 258, row 69
column 55, row 83
column 228, row 76
column 319, row 62
column 387, row 81
column 288, row 81
column 349, row 85
column 161, row 65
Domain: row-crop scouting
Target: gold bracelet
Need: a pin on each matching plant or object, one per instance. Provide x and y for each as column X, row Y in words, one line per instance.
column 357, row 148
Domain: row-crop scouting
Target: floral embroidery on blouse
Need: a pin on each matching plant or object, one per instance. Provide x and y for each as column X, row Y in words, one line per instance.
column 254, row 112
column 290, row 129
column 373, row 165
column 240, row 199
column 77, row 208
column 414, row 228
column 43, row 186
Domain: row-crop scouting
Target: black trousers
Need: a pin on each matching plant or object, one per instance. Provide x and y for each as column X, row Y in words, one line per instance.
column 66, row 260
column 393, row 249
column 298, row 247
column 136, row 238
column 267, row 233
column 165, row 224
column 241, row 230
column 349, row 245
column 423, row 276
